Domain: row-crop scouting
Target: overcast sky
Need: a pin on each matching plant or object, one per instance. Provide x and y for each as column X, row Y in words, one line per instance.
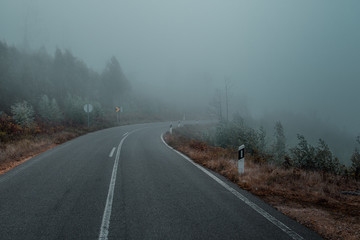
column 301, row 56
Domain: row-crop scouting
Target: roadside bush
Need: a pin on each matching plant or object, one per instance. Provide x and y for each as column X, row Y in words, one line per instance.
column 355, row 164
column 8, row 128
column 97, row 113
column 261, row 144
column 279, row 147
column 73, row 111
column 303, row 155
column 224, row 135
column 325, row 160
column 49, row 110
column 355, row 161
column 306, row 156
column 236, row 132
column 23, row 114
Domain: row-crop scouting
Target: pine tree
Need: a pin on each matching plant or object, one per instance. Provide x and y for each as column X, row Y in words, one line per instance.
column 49, row 111
column 115, row 84
column 355, row 160
column 324, row 159
column 279, row 147
column 262, row 140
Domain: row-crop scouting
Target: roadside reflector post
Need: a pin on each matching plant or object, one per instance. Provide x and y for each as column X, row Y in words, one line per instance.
column 170, row 128
column 241, row 159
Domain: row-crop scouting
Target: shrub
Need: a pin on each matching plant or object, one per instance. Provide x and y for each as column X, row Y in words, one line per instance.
column 355, row 161
column 235, row 133
column 49, row 110
column 8, row 128
column 74, row 112
column 303, row 154
column 262, row 140
column 325, row 160
column 23, row 114
column 279, row 147
column 98, row 112
column 306, row 156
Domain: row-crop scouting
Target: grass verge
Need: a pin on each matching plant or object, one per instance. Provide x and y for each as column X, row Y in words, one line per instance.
column 314, row 199
column 18, row 151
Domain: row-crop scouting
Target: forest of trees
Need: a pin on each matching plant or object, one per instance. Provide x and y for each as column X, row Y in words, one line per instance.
column 55, row 88
column 304, row 155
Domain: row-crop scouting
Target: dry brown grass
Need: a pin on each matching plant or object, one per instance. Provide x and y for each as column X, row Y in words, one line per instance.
column 14, row 153
column 312, row 198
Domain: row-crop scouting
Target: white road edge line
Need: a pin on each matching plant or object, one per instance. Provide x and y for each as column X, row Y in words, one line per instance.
column 251, row 204
column 125, row 134
column 104, row 229
column 112, row 152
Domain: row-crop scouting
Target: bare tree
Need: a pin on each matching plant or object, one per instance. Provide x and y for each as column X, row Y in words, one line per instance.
column 215, row 105
column 227, row 83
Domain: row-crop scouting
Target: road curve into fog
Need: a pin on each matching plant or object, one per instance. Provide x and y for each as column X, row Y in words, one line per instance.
column 125, row 183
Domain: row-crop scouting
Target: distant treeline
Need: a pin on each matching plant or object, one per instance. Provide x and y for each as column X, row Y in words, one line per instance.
column 40, row 93
column 28, row 77
column 231, row 134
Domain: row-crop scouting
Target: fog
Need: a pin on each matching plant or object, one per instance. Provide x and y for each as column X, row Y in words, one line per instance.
column 281, row 58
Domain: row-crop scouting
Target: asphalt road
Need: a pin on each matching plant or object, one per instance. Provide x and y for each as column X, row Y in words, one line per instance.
column 143, row 190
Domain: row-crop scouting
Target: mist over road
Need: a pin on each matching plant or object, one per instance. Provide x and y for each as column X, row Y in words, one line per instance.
column 84, row 189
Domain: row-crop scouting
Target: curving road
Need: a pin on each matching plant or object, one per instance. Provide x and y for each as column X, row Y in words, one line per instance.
column 125, row 183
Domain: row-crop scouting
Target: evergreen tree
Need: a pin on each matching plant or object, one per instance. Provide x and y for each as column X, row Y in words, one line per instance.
column 320, row 158
column 73, row 110
column 324, row 159
column 262, row 140
column 115, row 84
column 279, row 147
column 355, row 161
column 303, row 155
column 4, row 75
column 49, row 110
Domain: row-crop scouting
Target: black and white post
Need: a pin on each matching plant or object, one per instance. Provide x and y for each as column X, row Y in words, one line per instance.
column 241, row 159
column 170, row 128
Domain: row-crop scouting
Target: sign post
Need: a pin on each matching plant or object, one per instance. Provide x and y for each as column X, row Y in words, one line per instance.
column 118, row 110
column 88, row 109
column 241, row 159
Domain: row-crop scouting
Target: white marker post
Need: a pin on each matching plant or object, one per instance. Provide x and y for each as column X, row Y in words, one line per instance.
column 171, row 129
column 241, row 160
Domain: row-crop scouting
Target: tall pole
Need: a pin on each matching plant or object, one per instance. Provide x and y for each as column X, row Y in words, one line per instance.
column 226, row 99
column 219, row 104
column 88, row 108
column 88, row 113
